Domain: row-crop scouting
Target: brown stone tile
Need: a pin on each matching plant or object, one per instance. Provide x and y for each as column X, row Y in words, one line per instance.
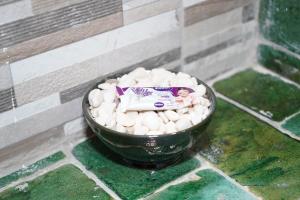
column 41, row 6
column 211, row 8
column 63, row 37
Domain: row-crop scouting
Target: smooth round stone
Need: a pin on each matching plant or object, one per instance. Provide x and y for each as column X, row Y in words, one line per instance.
column 106, row 86
column 182, row 110
column 109, row 95
column 172, row 115
column 205, row 102
column 100, row 120
column 95, row 98
column 185, row 116
column 144, row 83
column 182, row 75
column 130, row 129
column 126, row 81
column 162, row 127
column 196, row 118
column 139, row 73
column 182, row 124
column 151, row 120
column 111, row 121
column 170, row 127
column 140, row 130
column 200, row 89
column 124, row 120
column 121, row 128
column 162, row 115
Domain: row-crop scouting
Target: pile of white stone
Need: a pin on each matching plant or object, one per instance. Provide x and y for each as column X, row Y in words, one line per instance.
column 105, row 111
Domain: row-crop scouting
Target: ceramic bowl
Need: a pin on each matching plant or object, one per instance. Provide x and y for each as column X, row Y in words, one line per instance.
column 148, row 149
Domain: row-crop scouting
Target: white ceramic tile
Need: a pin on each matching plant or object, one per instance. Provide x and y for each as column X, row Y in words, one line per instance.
column 78, row 52
column 36, row 107
column 54, row 82
column 40, row 122
column 14, row 11
column 188, row 3
column 136, row 3
column 212, row 25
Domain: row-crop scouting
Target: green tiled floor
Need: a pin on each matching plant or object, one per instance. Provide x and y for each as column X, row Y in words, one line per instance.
column 262, row 93
column 253, row 153
column 64, row 183
column 293, row 125
column 127, row 182
column 210, row 186
column 280, row 62
column 31, row 168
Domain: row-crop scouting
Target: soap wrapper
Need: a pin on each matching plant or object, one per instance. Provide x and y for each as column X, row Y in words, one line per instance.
column 154, row 98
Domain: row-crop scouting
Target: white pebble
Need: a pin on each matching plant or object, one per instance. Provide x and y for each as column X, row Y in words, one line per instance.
column 124, row 120
column 170, row 127
column 182, row 124
column 182, row 110
column 140, row 130
column 106, row 86
column 154, row 133
column 172, row 115
column 120, row 128
column 100, row 120
column 196, row 118
column 200, row 89
column 95, row 98
column 139, row 73
column 151, row 120
column 109, row 95
column 163, row 117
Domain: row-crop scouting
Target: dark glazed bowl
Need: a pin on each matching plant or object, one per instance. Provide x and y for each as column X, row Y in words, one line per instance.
column 147, row 149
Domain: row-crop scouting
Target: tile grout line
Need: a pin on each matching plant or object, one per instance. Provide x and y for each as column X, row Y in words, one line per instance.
column 276, row 125
column 190, row 176
column 231, row 180
column 260, row 69
column 68, row 152
column 36, row 174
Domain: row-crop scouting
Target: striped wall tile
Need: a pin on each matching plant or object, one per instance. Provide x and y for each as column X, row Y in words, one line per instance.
column 212, row 25
column 207, row 9
column 81, row 51
column 157, row 61
column 56, row 81
column 134, row 10
column 217, row 47
column 33, row 35
column 41, row 6
column 40, row 122
column 7, row 99
column 5, row 77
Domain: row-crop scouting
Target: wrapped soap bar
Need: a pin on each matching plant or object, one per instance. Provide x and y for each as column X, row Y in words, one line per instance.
column 155, row 98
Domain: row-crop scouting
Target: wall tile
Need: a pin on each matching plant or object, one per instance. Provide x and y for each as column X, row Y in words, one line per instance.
column 280, row 62
column 40, row 122
column 5, row 77
column 7, row 99
column 212, row 25
column 63, row 37
column 208, row 9
column 14, row 11
column 119, row 58
column 75, row 126
column 41, row 6
column 78, row 52
column 249, row 12
column 133, row 13
column 4, row 2
column 157, row 61
column 59, row 27
column 279, row 22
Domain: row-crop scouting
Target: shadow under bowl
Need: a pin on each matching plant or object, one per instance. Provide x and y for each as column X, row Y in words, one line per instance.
column 149, row 149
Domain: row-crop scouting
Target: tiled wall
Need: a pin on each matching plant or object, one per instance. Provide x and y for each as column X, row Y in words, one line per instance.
column 52, row 51
column 280, row 42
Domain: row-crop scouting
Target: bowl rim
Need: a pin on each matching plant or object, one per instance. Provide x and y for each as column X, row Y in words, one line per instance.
column 88, row 117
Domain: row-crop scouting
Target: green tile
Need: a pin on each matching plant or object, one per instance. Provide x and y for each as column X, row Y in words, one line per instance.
column 293, row 125
column 253, row 153
column 64, row 183
column 265, row 94
column 279, row 22
column 210, row 186
column 279, row 62
column 127, row 182
column 45, row 162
